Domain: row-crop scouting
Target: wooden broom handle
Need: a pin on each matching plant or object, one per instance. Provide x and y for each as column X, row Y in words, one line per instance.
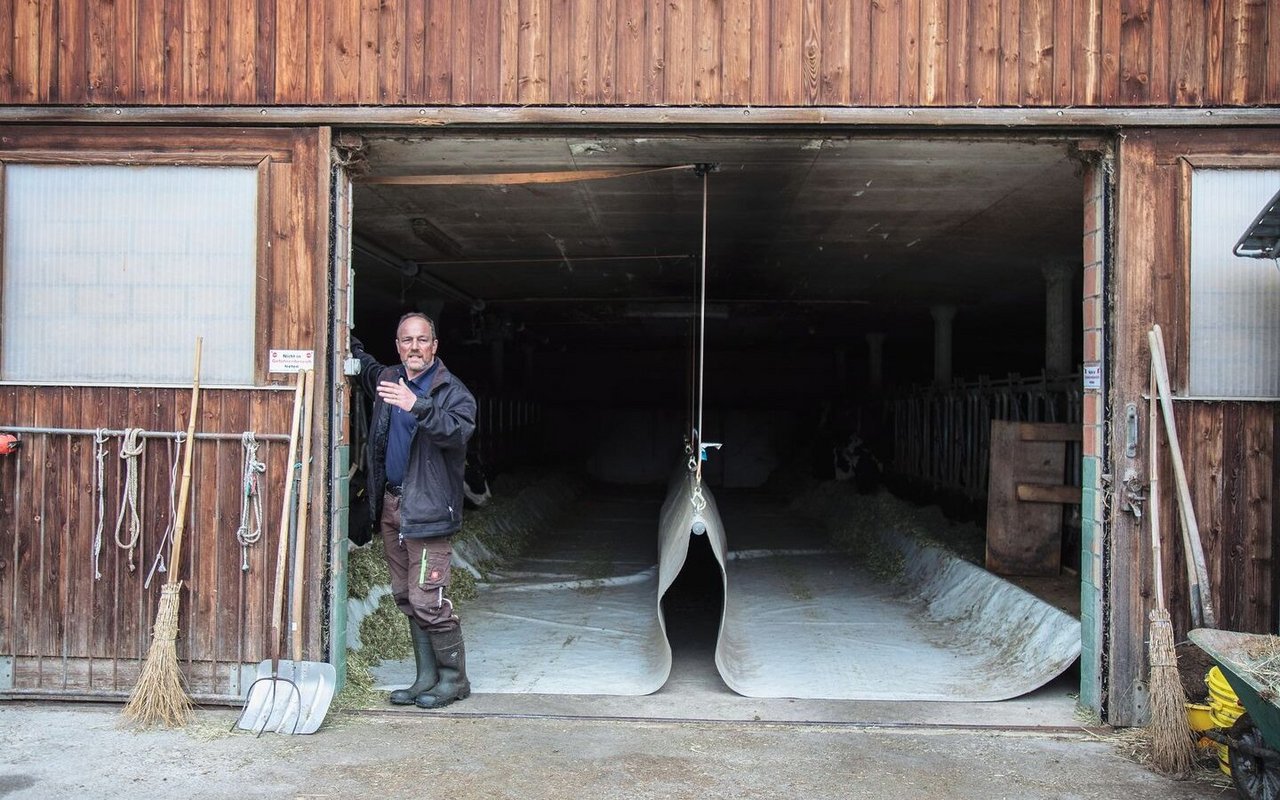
column 282, row 549
column 184, row 492
column 1190, row 529
column 1153, row 466
column 304, row 505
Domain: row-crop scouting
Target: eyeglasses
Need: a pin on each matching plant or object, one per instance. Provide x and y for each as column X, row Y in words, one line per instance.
column 407, row 341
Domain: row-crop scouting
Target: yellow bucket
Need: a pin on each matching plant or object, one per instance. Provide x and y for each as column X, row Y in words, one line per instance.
column 1224, row 710
column 1200, row 718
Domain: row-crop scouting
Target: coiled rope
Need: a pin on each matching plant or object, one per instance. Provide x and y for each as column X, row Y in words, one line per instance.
column 175, row 451
column 131, row 446
column 100, row 456
column 250, row 531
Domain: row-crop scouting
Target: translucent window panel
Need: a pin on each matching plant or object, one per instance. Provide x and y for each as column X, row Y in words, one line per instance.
column 1235, row 302
column 110, row 273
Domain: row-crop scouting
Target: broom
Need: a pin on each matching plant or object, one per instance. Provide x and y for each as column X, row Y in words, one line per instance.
column 1172, row 751
column 160, row 696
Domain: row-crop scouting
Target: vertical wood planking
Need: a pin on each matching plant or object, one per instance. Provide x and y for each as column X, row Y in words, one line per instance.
column 460, row 91
column 1086, row 48
column 439, row 70
column 811, row 41
column 175, row 54
column 264, row 82
column 1246, row 51
column 1214, row 39
column 934, row 64
column 1227, row 575
column 1272, row 80
column 46, row 47
column 908, row 62
column 1187, row 51
column 219, row 51
column 631, row 52
column 1010, row 27
column 242, row 47
column 1135, row 52
column 125, row 41
column 1159, row 88
column 342, row 53
column 72, row 52
column 486, row 50
column 655, row 65
column 509, row 59
column 233, row 582
column 534, row 61
column 393, row 38
column 7, row 83
column 959, row 25
column 1064, row 55
column 317, row 51
column 607, row 52
column 415, row 51
column 27, row 554
column 762, row 54
column 835, row 88
column 860, row 55
column 707, row 58
column 150, row 52
column 576, row 55
column 195, row 45
column 374, row 67
column 885, row 43
column 1109, row 64
column 258, row 584
column 80, row 510
column 12, row 473
column 1037, row 53
column 290, row 85
column 678, row 56
column 984, row 53
column 101, row 32
column 1259, row 432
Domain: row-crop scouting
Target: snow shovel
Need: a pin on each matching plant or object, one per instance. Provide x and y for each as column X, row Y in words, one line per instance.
column 290, row 696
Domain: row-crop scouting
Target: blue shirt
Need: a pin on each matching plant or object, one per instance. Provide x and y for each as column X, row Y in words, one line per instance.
column 400, row 435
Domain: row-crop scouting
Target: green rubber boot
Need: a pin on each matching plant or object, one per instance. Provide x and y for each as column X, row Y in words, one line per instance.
column 451, row 657
column 428, row 675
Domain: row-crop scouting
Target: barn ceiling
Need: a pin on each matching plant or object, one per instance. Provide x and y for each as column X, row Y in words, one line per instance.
column 854, row 234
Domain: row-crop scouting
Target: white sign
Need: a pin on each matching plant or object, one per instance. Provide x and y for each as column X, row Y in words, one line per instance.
column 1093, row 376
column 291, row 360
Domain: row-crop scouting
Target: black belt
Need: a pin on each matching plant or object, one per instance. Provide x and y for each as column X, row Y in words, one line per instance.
column 395, row 491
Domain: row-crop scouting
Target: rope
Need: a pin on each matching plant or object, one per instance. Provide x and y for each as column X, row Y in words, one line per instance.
column 100, row 455
column 130, row 448
column 250, row 499
column 175, row 451
column 702, row 332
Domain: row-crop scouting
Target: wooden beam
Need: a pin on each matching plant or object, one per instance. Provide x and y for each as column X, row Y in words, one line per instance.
column 1050, row 432
column 1046, row 493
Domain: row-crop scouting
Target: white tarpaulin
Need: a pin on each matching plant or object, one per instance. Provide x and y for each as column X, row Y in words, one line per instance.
column 584, row 616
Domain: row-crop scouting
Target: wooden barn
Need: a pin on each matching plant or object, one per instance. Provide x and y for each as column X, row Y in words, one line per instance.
column 922, row 214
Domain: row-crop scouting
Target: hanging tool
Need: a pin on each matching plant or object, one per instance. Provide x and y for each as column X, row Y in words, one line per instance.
column 1202, row 613
column 291, row 696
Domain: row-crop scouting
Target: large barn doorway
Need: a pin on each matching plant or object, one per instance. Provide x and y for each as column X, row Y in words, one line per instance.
column 844, row 276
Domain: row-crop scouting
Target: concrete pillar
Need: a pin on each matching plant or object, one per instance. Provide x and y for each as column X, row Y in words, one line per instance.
column 875, row 361
column 943, row 316
column 1058, row 334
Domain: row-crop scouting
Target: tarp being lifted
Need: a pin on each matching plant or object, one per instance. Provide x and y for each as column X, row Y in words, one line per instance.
column 805, row 621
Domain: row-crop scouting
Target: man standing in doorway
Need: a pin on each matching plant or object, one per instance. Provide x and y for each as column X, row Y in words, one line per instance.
column 422, row 418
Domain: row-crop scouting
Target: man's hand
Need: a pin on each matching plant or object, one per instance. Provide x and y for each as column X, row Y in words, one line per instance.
column 397, row 394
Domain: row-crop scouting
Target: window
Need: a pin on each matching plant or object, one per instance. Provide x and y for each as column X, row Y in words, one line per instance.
column 1235, row 302
column 110, row 272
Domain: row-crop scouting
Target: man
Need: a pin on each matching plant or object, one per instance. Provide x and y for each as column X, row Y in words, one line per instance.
column 422, row 419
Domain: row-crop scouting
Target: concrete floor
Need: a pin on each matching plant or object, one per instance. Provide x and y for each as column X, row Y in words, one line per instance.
column 83, row 751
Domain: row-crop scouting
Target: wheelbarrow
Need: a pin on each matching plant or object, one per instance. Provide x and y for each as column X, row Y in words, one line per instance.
column 1253, row 742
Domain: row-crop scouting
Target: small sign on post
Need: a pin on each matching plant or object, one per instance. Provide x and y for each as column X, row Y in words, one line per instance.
column 287, row 361
column 1093, row 376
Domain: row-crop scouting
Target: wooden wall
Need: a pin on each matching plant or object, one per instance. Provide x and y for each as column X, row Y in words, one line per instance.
column 645, row 52
column 71, row 632
column 1228, row 447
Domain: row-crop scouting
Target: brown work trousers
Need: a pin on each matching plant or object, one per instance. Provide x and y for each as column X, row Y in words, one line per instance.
column 419, row 572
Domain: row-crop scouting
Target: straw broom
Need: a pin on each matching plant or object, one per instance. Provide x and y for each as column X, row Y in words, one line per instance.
column 1172, row 751
column 160, row 696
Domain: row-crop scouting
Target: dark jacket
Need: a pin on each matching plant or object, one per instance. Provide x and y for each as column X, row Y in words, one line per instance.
column 431, row 505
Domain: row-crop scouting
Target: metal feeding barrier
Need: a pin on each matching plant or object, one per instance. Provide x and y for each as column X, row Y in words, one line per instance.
column 942, row 434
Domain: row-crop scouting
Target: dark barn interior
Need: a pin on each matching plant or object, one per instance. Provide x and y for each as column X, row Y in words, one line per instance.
column 580, row 294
